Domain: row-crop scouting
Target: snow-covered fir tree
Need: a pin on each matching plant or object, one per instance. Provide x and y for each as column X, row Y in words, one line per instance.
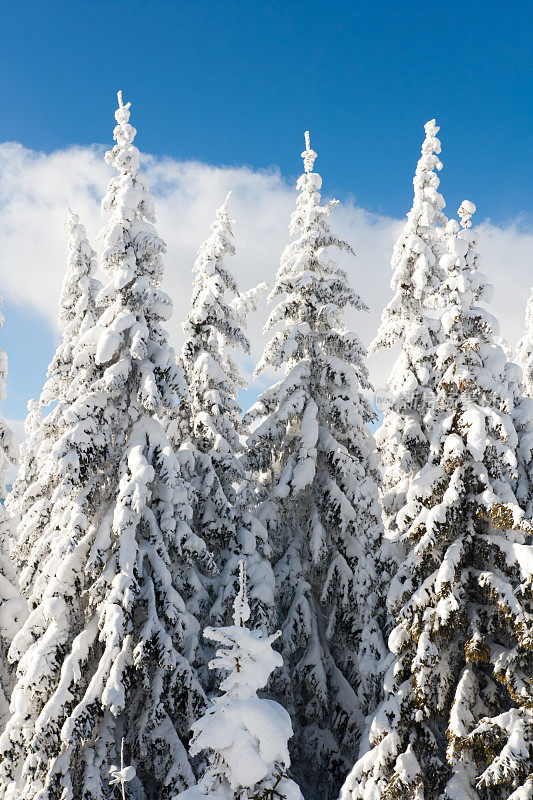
column 457, row 721
column 524, row 349
column 409, row 322
column 213, row 379
column 523, row 415
column 245, row 737
column 12, row 605
column 106, row 652
column 313, row 459
column 77, row 313
column 207, row 430
column 69, row 372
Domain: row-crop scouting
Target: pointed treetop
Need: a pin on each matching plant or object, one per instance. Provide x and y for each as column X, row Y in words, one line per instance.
column 224, row 207
column 431, row 128
column 308, row 155
column 72, row 217
column 431, row 143
column 124, row 134
column 122, row 114
column 466, row 210
column 241, row 606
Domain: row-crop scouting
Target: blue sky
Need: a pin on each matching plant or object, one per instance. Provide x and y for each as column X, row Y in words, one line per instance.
column 236, row 83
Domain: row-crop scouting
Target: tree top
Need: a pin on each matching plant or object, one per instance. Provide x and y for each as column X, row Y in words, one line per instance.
column 308, row 155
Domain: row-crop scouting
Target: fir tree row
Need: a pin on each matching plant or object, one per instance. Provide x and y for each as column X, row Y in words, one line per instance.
column 395, row 581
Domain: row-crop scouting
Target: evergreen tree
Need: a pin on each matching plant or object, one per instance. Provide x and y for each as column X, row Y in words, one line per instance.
column 456, row 723
column 207, row 428
column 77, row 314
column 524, row 350
column 313, row 458
column 69, row 372
column 106, row 652
column 523, row 416
column 12, row 606
column 409, row 321
column 245, row 736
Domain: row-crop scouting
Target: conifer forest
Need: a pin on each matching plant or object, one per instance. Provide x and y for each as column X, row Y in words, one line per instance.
column 312, row 598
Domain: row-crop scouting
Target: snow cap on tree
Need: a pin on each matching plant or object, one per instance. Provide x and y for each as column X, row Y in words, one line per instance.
column 245, row 737
column 309, row 156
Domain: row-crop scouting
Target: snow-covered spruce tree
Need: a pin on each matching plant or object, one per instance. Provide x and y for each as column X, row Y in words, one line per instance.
column 409, row 322
column 524, row 349
column 106, row 652
column 246, row 737
column 313, row 458
column 12, row 606
column 207, row 427
column 457, row 721
column 524, row 413
column 77, row 313
column 70, row 371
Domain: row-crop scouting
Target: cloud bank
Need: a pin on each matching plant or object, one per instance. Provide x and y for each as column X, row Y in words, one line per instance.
column 35, row 189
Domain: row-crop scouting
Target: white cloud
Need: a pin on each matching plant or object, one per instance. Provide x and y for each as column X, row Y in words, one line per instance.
column 35, row 189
